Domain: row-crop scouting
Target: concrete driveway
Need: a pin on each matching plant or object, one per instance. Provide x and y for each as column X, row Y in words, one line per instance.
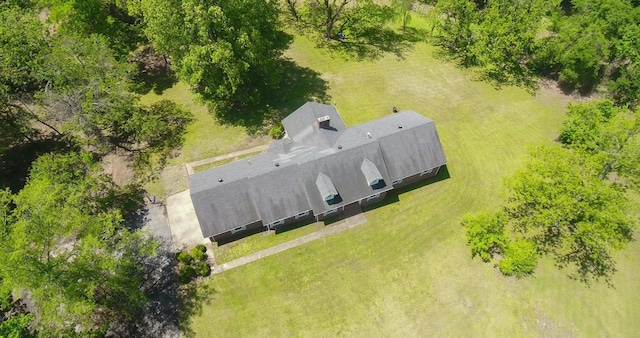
column 185, row 229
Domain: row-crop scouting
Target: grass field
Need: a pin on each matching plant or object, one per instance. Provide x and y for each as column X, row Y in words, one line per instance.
column 408, row 271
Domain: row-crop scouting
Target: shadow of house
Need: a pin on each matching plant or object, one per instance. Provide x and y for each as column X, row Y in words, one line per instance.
column 322, row 169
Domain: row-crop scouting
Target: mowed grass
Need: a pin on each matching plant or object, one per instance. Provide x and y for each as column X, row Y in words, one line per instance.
column 408, row 271
column 205, row 137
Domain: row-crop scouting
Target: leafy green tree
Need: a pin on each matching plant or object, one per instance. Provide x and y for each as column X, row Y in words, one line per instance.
column 609, row 134
column 586, row 44
column 95, row 17
column 505, row 40
column 559, row 202
column 485, row 234
column 454, row 27
column 228, row 51
column 89, row 98
column 83, row 270
column 403, row 11
column 520, row 259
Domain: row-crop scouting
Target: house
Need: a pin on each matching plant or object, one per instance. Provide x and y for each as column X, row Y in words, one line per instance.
column 320, row 168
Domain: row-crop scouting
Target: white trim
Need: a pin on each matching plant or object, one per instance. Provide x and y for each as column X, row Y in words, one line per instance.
column 396, row 182
column 329, row 212
column 302, row 214
column 426, row 172
column 372, row 197
column 238, row 229
column 274, row 224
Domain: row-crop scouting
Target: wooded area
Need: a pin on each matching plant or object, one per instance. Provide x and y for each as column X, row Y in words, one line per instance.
column 70, row 86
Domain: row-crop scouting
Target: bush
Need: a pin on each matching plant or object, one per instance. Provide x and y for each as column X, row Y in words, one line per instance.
column 520, row 259
column 202, row 269
column 184, row 258
column 200, row 247
column 186, row 274
column 276, row 131
column 485, row 234
column 199, row 254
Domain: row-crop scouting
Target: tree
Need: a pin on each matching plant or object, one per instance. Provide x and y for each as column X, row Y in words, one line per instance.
column 88, row 95
column 453, row 30
column 228, row 51
column 83, row 270
column 403, row 11
column 505, row 41
column 609, row 134
column 520, row 259
column 485, row 234
column 586, row 46
column 95, row 17
column 558, row 202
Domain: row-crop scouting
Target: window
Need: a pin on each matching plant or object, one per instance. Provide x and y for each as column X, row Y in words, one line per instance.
column 302, row 214
column 329, row 212
column 238, row 229
column 422, row 173
column 396, row 182
column 372, row 197
column 274, row 224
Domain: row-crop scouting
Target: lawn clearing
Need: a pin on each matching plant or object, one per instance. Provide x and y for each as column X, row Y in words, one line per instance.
column 408, row 271
column 205, row 137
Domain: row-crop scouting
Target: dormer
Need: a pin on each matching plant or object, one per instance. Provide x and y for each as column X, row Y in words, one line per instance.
column 371, row 173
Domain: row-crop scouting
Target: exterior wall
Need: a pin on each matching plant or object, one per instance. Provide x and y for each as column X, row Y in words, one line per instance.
column 364, row 201
column 416, row 178
column 322, row 217
column 293, row 220
column 228, row 234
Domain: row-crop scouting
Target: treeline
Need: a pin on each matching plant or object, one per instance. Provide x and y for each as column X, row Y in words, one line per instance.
column 585, row 44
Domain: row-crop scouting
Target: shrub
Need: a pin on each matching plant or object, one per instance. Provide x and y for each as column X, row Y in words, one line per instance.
column 198, row 254
column 186, row 274
column 276, row 131
column 200, row 247
column 202, row 269
column 485, row 234
column 184, row 258
column 520, row 259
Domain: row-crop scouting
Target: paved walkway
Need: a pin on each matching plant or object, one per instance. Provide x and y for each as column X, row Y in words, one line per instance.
column 234, row 154
column 348, row 223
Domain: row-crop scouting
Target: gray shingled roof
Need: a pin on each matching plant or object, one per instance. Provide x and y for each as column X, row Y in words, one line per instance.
column 279, row 194
column 343, row 168
column 295, row 174
column 302, row 125
column 226, row 207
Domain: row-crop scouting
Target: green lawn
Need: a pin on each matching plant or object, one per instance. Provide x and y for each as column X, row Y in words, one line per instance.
column 205, row 137
column 408, row 271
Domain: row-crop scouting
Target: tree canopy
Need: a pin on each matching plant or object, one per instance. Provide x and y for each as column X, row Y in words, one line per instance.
column 82, row 270
column 228, row 51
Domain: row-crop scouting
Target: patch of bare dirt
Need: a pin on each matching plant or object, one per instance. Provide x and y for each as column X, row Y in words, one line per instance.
column 119, row 167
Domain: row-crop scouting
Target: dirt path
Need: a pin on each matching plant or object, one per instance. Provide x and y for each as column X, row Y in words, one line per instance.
column 347, row 223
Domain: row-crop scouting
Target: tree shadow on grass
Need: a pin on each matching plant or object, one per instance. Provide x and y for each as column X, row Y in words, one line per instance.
column 297, row 86
column 193, row 297
column 371, row 44
column 154, row 72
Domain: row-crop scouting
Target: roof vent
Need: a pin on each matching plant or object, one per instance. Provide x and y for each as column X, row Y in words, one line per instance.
column 277, row 164
column 368, row 135
column 220, row 180
column 399, row 127
column 324, row 122
column 339, row 146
